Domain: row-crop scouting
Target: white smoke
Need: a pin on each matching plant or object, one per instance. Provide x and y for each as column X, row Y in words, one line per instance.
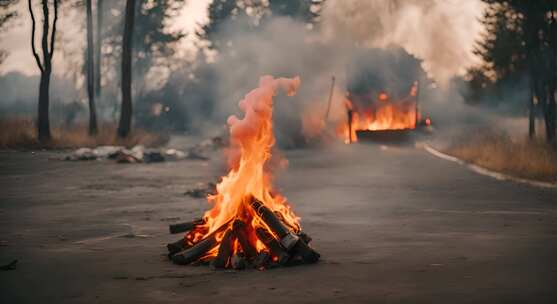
column 440, row 32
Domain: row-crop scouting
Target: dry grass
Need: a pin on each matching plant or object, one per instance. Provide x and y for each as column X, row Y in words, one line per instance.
column 20, row 133
column 532, row 159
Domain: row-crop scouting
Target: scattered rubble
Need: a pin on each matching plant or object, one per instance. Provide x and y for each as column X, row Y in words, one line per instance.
column 201, row 190
column 140, row 154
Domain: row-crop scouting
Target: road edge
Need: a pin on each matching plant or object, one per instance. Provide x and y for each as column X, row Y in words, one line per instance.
column 487, row 172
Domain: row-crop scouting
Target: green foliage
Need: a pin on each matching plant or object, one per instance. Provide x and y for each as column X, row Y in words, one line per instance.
column 516, row 44
column 520, row 42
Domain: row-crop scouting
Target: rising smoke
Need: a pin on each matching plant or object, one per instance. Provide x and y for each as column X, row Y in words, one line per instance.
column 440, row 32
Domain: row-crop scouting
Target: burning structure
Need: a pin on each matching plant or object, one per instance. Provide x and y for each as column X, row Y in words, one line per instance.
column 249, row 223
column 382, row 100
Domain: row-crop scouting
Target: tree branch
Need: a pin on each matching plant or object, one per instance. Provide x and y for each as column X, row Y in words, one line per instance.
column 33, row 38
column 52, row 35
column 44, row 42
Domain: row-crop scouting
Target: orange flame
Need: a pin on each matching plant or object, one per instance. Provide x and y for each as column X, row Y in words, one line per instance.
column 383, row 115
column 251, row 140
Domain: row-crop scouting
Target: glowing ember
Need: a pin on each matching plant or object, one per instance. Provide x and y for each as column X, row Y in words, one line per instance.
column 247, row 213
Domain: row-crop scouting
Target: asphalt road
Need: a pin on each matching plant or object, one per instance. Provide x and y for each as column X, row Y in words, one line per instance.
column 393, row 225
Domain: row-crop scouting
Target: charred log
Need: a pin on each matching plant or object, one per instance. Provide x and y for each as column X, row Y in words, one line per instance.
column 195, row 252
column 238, row 262
column 304, row 237
column 262, row 260
column 240, row 232
column 176, row 247
column 286, row 237
column 273, row 245
column 225, row 250
column 184, row 227
column 288, row 240
column 307, row 254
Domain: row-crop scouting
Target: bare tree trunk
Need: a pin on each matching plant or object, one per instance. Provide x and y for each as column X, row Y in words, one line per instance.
column 551, row 118
column 43, row 120
column 552, row 77
column 124, row 125
column 90, row 71
column 98, row 48
column 532, row 113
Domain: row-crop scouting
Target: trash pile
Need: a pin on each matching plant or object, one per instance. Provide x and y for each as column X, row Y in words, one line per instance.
column 137, row 154
column 140, row 154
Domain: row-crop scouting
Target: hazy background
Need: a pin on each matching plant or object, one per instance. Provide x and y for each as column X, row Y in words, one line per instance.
column 197, row 85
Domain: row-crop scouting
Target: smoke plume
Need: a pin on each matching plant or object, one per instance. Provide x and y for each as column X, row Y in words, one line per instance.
column 440, row 32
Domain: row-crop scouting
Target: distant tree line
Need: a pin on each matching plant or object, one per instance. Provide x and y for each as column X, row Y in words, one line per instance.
column 136, row 42
column 519, row 45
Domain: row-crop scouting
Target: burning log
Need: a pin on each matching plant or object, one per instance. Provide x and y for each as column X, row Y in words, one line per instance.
column 305, row 252
column 350, row 114
column 176, row 247
column 304, row 237
column 262, row 260
column 291, row 242
column 238, row 262
column 198, row 250
column 195, row 252
column 225, row 250
column 273, row 245
column 286, row 238
column 184, row 227
column 240, row 232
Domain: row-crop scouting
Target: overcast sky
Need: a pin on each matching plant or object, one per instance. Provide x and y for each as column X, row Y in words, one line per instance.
column 16, row 38
column 421, row 28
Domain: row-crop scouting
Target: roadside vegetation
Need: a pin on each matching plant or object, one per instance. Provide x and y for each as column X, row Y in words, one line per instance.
column 21, row 133
column 497, row 151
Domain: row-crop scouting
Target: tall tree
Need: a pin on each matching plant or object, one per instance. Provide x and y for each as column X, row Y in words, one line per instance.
column 98, row 47
column 520, row 42
column 124, row 126
column 90, row 70
column 43, row 121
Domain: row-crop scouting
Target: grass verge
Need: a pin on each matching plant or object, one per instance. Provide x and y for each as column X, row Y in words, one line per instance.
column 497, row 151
column 21, row 133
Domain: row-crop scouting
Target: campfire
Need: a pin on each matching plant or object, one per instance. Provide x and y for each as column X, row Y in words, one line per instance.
column 250, row 223
column 380, row 113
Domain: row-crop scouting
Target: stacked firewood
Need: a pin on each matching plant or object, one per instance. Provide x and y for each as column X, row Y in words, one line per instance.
column 283, row 247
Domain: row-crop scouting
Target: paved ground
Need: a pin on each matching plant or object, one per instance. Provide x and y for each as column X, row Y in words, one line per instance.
column 393, row 224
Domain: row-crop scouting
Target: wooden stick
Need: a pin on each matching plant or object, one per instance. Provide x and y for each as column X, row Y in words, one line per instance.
column 183, row 227
column 349, row 113
column 330, row 98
